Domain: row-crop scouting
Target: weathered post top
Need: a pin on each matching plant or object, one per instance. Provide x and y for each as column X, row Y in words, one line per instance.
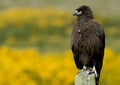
column 84, row 78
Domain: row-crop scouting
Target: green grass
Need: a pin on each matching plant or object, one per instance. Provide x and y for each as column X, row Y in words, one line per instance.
column 53, row 38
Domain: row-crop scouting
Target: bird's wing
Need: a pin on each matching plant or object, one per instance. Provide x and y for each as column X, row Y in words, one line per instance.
column 99, row 32
column 73, row 36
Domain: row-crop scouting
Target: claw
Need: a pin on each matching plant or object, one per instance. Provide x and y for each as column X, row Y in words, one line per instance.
column 94, row 70
column 84, row 68
column 91, row 70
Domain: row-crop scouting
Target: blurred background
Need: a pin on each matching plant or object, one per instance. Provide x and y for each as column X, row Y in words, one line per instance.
column 35, row 41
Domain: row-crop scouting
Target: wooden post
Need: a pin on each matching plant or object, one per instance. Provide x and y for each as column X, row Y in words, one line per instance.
column 84, row 78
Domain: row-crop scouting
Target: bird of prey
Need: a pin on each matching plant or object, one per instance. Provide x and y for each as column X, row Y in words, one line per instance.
column 88, row 42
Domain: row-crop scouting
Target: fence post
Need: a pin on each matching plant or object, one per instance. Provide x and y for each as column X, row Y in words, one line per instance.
column 83, row 78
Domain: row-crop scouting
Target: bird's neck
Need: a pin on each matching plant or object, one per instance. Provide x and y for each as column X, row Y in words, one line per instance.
column 84, row 18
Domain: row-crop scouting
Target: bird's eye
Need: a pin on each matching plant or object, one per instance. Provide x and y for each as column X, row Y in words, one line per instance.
column 80, row 12
column 77, row 13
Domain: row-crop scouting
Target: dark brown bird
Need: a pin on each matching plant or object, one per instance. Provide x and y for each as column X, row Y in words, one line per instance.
column 87, row 42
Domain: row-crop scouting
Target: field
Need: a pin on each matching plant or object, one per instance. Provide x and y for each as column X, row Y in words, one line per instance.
column 29, row 67
column 49, row 30
column 35, row 48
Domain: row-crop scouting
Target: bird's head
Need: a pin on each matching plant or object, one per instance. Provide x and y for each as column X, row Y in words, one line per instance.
column 83, row 11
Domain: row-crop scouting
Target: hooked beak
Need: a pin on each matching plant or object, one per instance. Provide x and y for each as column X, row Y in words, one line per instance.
column 76, row 13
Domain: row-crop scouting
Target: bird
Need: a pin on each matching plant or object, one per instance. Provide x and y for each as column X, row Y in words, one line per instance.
column 88, row 41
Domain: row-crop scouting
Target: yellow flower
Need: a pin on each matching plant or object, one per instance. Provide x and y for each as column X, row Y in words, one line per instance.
column 30, row 67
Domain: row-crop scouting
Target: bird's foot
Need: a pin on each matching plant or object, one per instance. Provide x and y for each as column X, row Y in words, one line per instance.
column 93, row 70
column 84, row 68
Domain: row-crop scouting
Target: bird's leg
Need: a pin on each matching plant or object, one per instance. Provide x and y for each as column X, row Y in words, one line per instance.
column 94, row 70
column 84, row 68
